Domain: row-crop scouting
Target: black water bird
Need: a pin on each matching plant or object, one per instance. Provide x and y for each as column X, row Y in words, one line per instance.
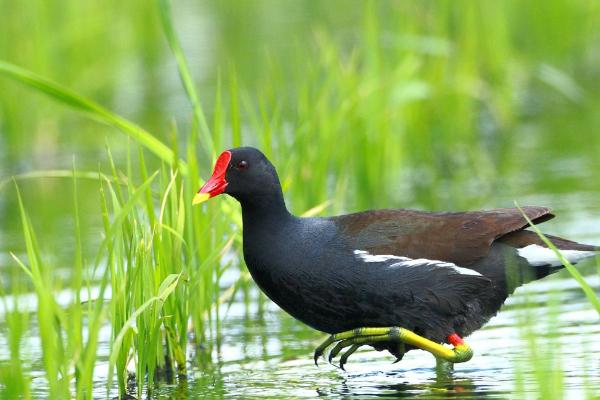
column 394, row 279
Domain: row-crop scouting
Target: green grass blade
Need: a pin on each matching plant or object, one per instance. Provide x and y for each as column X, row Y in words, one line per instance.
column 80, row 103
column 123, row 213
column 75, row 320
column 47, row 312
column 164, row 10
column 316, row 210
column 57, row 173
column 22, row 265
column 587, row 289
column 14, row 381
column 166, row 288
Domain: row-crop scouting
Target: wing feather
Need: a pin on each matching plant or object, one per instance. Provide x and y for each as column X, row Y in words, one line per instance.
column 440, row 286
column 460, row 238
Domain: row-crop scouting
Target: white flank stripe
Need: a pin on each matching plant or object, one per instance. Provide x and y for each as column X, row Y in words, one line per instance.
column 538, row 256
column 410, row 262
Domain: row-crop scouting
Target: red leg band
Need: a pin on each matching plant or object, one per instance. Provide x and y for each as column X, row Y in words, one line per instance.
column 455, row 340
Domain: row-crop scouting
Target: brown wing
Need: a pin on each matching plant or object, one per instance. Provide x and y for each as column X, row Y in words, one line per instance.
column 460, row 238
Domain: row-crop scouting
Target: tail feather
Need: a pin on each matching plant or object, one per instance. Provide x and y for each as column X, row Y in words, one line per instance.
column 537, row 254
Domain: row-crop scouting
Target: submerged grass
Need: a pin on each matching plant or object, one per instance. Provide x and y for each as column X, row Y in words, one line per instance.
column 541, row 363
column 14, row 375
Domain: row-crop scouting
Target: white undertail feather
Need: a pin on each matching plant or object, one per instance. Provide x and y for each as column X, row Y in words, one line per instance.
column 410, row 262
column 538, row 256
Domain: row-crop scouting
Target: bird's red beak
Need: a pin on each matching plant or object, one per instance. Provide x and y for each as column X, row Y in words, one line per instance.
column 217, row 183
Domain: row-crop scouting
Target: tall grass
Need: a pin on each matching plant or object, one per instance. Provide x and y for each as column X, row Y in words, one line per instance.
column 150, row 263
column 159, row 259
column 66, row 355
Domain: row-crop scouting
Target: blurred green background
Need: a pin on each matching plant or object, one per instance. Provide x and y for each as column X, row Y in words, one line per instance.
column 439, row 105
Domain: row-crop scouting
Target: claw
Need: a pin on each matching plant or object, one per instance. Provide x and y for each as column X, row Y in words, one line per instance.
column 348, row 353
column 338, row 347
column 319, row 350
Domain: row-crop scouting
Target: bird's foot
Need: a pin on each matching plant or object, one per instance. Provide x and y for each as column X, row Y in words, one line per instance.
column 360, row 336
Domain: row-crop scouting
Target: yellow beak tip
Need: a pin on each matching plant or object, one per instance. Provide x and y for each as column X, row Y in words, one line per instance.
column 200, row 198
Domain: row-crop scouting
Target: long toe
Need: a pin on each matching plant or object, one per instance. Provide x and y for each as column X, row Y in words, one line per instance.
column 338, row 347
column 347, row 354
column 319, row 350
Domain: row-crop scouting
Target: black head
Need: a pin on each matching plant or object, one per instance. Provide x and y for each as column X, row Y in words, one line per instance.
column 244, row 173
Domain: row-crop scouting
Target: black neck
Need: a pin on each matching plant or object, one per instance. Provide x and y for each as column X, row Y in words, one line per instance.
column 261, row 208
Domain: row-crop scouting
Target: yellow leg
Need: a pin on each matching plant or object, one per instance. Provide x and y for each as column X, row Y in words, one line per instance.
column 461, row 351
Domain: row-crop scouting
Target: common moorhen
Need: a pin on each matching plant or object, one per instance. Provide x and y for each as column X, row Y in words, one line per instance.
column 394, row 279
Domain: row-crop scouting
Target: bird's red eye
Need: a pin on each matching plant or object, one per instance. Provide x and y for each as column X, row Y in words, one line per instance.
column 242, row 165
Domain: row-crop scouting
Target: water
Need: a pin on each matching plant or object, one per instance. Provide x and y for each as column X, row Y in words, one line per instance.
column 260, row 352
column 272, row 357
